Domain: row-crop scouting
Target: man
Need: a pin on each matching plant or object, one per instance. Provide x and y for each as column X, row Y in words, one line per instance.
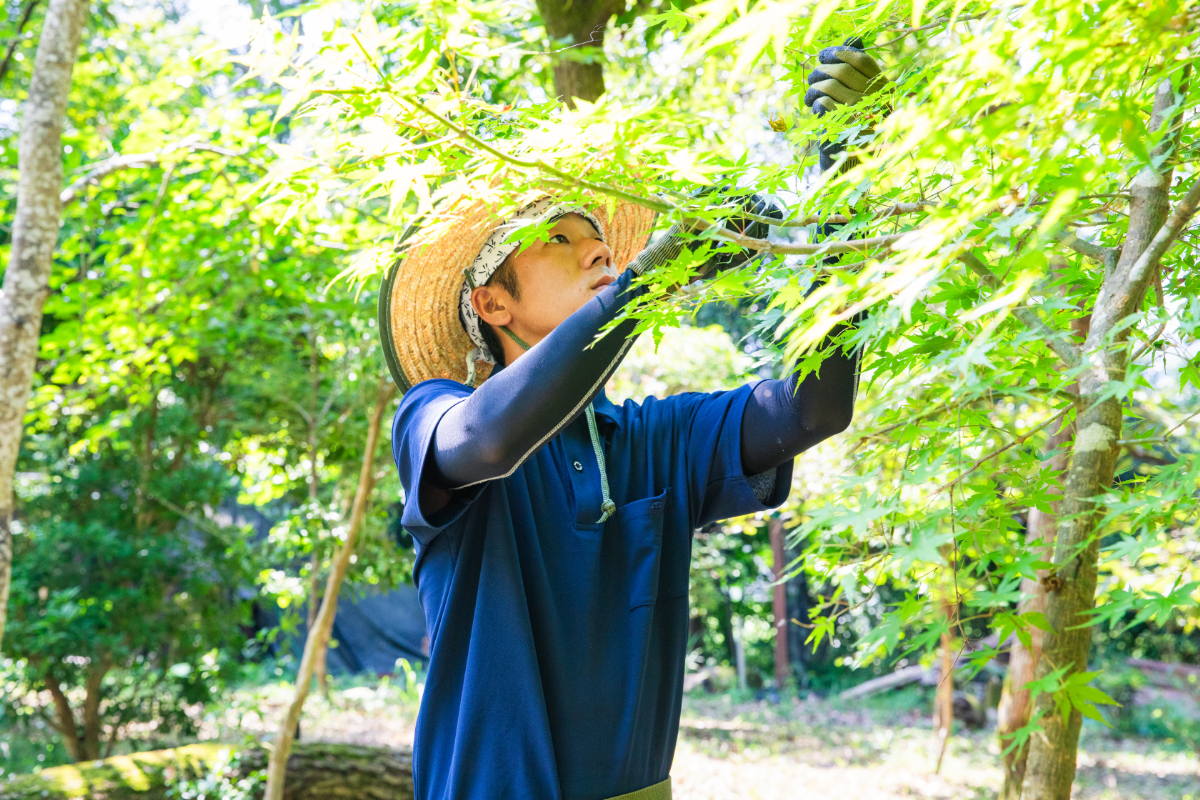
column 553, row 528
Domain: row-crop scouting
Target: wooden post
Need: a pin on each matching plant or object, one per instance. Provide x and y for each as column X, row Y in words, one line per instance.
column 783, row 670
column 318, row 638
column 739, row 653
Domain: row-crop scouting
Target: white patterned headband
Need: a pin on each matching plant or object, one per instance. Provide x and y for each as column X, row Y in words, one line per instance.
column 495, row 250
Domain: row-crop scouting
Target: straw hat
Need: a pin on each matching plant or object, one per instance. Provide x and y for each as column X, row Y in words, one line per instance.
column 419, row 322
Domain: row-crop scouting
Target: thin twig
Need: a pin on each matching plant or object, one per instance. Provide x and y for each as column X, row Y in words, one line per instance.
column 981, row 461
column 940, row 23
column 103, row 169
column 16, row 40
column 1160, row 302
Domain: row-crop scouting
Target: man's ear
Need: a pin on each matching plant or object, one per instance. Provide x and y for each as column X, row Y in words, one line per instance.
column 493, row 305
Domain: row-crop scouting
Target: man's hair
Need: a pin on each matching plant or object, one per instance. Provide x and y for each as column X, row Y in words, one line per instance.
column 505, row 277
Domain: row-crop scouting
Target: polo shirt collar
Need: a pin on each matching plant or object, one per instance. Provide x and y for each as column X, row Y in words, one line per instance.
column 605, row 408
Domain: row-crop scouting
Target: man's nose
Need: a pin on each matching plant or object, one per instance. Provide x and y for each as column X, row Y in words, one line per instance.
column 595, row 254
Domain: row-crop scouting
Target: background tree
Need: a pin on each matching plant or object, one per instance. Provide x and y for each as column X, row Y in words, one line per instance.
column 34, row 234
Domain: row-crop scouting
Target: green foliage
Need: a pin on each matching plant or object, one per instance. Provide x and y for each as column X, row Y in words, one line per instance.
column 223, row 781
column 187, row 338
column 984, row 141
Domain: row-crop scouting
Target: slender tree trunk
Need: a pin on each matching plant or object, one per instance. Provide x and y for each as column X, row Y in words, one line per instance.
column 727, row 623
column 1015, row 704
column 783, row 670
column 943, row 709
column 315, row 418
column 67, row 726
column 582, row 22
column 796, row 591
column 34, row 235
column 318, row 638
column 91, row 709
column 314, row 578
column 1050, row 770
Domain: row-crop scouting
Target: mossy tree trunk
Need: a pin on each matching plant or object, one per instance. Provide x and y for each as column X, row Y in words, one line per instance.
column 315, row 772
column 1050, row 771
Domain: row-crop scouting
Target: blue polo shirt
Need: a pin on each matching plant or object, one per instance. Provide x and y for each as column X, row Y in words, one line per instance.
column 557, row 644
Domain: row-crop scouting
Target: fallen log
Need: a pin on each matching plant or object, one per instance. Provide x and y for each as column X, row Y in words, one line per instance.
column 315, row 772
column 1162, row 673
column 901, row 677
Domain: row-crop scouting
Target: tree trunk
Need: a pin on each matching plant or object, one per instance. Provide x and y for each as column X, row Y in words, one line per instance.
column 943, row 709
column 314, row 578
column 34, row 235
column 1015, row 706
column 783, row 670
column 91, row 710
column 583, row 23
column 67, row 727
column 318, row 638
column 315, row 772
column 796, row 591
column 1050, row 769
column 316, row 416
column 726, row 623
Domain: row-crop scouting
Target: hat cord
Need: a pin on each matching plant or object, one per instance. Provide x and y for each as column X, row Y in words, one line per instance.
column 607, row 506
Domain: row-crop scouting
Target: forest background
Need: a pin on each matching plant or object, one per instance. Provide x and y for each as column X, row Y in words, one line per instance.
column 1017, row 216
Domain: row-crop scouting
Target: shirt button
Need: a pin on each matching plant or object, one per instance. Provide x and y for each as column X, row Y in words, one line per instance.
column 578, row 466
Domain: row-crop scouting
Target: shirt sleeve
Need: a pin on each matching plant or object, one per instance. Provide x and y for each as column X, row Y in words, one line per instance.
column 416, row 420
column 718, row 487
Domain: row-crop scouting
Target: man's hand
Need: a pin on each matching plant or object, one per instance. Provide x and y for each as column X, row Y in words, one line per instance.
column 846, row 74
column 753, row 204
column 665, row 249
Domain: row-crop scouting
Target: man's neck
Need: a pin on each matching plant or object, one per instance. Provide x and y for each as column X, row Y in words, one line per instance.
column 514, row 345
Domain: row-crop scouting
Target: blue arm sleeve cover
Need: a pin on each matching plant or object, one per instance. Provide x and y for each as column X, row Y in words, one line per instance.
column 783, row 418
column 491, row 432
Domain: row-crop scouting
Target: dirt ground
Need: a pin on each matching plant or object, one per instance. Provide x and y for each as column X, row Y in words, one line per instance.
column 798, row 750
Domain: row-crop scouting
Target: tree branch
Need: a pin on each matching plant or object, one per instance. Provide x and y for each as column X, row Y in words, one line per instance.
column 661, row 206
column 1068, row 352
column 939, row 23
column 16, row 39
column 1166, row 235
column 103, row 169
column 897, row 210
column 984, row 459
column 1084, row 247
column 66, row 718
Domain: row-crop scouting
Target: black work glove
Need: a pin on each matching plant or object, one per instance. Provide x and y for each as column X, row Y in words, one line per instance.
column 846, row 74
column 752, row 204
column 667, row 248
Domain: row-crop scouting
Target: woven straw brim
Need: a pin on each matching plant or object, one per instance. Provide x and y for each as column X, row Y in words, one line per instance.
column 418, row 303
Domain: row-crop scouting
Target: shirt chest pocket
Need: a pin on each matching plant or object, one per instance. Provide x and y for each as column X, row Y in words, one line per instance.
column 657, row 566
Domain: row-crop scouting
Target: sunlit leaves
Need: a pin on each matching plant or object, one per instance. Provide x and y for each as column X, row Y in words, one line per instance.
column 1003, row 125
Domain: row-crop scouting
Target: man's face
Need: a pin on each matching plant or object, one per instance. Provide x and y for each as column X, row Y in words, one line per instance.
column 556, row 276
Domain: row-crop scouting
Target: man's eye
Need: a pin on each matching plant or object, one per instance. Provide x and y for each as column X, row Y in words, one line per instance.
column 559, row 238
